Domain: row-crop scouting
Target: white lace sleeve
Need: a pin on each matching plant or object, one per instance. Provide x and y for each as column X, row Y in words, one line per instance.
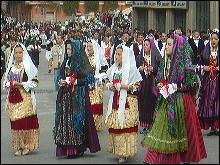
column 6, row 85
column 134, row 88
column 108, row 85
column 29, row 85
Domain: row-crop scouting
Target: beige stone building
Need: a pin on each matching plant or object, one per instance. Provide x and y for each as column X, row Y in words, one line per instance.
column 169, row 15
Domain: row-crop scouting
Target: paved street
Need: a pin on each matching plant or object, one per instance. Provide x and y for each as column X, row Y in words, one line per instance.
column 46, row 96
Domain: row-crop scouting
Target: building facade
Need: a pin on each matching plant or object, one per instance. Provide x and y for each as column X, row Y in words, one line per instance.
column 169, row 15
column 36, row 11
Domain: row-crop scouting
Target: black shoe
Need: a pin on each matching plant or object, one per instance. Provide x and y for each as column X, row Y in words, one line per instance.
column 75, row 155
column 211, row 133
column 81, row 153
column 143, row 132
column 72, row 156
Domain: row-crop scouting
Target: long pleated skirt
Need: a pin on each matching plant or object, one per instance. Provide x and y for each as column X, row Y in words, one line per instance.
column 208, row 111
column 67, row 139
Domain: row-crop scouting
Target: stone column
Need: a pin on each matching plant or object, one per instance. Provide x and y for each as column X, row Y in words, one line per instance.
column 151, row 19
column 169, row 20
column 191, row 16
column 214, row 14
column 134, row 18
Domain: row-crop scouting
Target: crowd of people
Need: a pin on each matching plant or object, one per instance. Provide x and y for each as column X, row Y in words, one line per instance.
column 166, row 83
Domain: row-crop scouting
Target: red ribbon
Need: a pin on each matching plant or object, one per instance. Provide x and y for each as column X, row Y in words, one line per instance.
column 116, row 96
column 212, row 69
column 11, row 85
column 73, row 79
column 147, row 65
column 116, row 81
column 166, row 85
column 14, row 94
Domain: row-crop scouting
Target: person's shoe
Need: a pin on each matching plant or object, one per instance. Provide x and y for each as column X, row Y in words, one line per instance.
column 81, row 153
column 19, row 152
column 25, row 151
column 122, row 159
column 211, row 133
column 144, row 131
column 72, row 156
column 145, row 162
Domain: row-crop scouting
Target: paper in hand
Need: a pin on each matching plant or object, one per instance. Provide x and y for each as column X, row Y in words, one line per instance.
column 168, row 92
column 118, row 86
column 68, row 80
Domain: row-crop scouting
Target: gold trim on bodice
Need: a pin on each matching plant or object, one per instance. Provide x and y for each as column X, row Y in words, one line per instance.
column 92, row 60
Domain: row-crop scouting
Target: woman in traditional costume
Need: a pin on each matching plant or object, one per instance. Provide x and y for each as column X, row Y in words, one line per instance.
column 208, row 112
column 99, row 64
column 122, row 111
column 147, row 63
column 34, row 50
column 20, row 81
column 74, row 129
column 175, row 135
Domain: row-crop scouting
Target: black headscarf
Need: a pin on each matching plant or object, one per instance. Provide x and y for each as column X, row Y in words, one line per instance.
column 80, row 65
column 78, row 59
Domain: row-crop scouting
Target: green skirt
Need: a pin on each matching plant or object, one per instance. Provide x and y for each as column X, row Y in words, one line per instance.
column 158, row 139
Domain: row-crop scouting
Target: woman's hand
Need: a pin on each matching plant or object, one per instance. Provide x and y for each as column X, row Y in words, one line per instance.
column 49, row 69
column 112, row 88
column 62, row 82
column 17, row 83
column 206, row 68
column 150, row 68
column 141, row 68
column 159, row 85
column 127, row 87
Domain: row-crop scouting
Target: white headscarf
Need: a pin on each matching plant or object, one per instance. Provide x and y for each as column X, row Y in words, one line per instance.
column 29, row 66
column 99, row 57
column 130, row 75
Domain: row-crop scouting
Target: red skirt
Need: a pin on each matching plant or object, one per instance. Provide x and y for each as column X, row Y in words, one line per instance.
column 30, row 122
column 206, row 124
column 97, row 109
column 196, row 147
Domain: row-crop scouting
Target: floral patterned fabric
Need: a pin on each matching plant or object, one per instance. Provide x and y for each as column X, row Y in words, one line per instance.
column 96, row 99
column 22, row 109
column 124, row 144
column 131, row 115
